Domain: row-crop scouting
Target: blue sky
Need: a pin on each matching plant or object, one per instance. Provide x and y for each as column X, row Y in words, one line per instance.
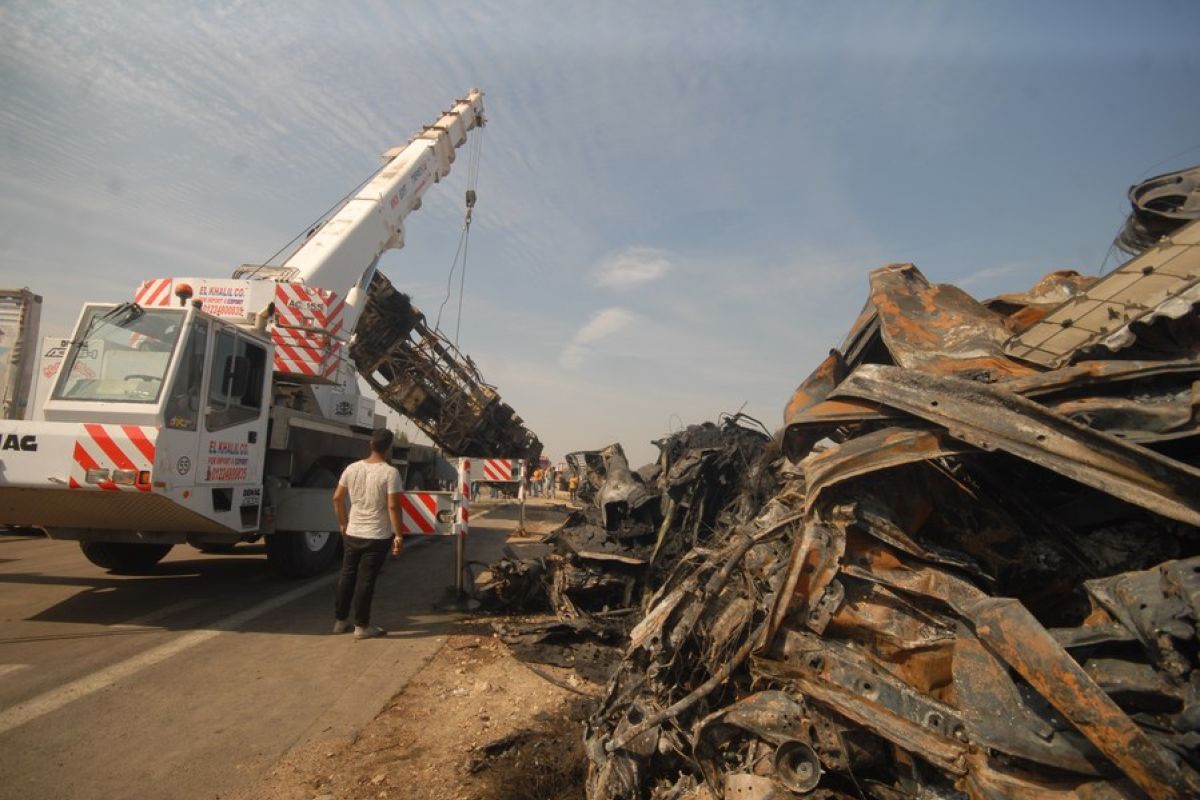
column 678, row 202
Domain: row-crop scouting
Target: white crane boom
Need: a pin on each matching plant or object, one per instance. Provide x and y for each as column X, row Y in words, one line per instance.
column 342, row 254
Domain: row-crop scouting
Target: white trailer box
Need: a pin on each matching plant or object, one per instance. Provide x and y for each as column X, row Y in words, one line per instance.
column 20, row 314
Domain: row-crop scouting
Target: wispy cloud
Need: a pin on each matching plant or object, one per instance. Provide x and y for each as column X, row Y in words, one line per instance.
column 633, row 266
column 604, row 324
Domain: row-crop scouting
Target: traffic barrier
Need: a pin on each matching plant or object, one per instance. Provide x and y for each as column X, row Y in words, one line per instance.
column 427, row 513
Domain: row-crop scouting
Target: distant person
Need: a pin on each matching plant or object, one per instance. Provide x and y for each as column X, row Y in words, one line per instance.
column 373, row 524
column 572, row 486
column 550, row 481
column 537, row 482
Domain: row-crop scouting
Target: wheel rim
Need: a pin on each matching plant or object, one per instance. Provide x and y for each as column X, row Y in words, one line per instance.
column 315, row 540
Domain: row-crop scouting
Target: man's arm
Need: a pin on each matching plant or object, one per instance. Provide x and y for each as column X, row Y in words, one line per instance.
column 394, row 515
column 339, row 506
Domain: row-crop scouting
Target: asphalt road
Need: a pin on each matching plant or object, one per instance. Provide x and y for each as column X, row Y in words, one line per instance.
column 195, row 680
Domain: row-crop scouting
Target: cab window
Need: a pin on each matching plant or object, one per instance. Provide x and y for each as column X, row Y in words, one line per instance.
column 235, row 381
column 183, row 402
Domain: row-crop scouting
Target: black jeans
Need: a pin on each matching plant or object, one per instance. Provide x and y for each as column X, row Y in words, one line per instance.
column 361, row 561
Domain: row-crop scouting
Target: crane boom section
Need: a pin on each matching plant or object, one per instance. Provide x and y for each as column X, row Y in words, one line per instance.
column 343, row 251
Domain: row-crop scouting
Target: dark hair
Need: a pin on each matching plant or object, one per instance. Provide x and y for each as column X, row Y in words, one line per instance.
column 381, row 441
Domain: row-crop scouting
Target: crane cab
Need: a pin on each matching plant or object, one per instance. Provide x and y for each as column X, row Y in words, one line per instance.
column 157, row 418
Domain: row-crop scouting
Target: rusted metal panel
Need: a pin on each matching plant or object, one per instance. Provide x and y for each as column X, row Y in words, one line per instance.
column 1009, row 629
column 990, row 418
column 939, row 327
column 838, row 678
column 873, row 452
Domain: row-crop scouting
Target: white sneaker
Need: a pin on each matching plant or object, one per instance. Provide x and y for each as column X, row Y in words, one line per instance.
column 369, row 632
column 342, row 626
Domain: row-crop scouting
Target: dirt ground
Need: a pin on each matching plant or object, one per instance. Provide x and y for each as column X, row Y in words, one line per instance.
column 473, row 724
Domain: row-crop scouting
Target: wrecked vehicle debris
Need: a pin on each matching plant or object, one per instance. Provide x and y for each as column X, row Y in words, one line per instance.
column 974, row 574
column 607, row 558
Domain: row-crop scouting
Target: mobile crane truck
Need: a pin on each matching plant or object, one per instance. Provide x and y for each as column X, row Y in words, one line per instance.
column 211, row 412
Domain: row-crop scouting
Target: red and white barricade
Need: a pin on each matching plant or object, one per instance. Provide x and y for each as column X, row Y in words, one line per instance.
column 500, row 470
column 430, row 513
column 438, row 513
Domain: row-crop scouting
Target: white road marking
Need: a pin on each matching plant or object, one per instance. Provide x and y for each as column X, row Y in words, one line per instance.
column 57, row 698
column 9, row 669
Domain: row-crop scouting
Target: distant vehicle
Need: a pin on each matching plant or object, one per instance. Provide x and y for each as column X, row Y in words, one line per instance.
column 20, row 315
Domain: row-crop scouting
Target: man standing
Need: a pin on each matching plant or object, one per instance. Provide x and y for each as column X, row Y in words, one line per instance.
column 373, row 524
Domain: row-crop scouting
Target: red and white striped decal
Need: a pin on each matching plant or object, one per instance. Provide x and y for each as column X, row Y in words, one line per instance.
column 155, row 292
column 499, row 469
column 112, row 447
column 300, row 306
column 307, row 323
column 419, row 512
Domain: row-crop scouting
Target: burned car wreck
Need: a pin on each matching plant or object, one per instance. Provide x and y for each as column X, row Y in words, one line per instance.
column 968, row 567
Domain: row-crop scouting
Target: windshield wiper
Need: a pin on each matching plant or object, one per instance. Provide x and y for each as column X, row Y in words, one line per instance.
column 131, row 312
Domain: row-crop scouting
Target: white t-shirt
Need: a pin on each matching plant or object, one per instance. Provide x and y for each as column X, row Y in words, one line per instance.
column 369, row 485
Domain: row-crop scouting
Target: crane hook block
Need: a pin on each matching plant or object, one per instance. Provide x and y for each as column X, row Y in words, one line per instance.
column 470, row 198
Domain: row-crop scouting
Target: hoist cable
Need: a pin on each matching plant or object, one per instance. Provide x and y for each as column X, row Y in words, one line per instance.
column 437, row 325
column 462, row 281
column 472, row 181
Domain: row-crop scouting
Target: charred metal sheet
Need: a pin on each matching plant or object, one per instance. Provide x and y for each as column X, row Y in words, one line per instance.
column 1161, row 283
column 1146, row 419
column 587, row 645
column 988, row 779
column 1021, row 310
column 873, row 452
column 512, row 584
column 622, row 495
column 1088, row 375
column 940, row 327
column 993, row 419
column 774, row 718
column 1159, row 606
column 1006, row 627
column 837, row 677
column 997, row 716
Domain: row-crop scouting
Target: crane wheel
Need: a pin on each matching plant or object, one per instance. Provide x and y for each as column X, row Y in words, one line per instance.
column 127, row 558
column 300, row 554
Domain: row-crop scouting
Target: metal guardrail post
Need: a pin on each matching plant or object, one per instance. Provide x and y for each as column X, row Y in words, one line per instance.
column 462, row 517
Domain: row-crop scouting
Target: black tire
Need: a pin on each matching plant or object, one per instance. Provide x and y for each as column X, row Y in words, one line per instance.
column 297, row 554
column 128, row 558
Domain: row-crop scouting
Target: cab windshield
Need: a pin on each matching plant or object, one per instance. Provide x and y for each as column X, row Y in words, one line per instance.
column 122, row 355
